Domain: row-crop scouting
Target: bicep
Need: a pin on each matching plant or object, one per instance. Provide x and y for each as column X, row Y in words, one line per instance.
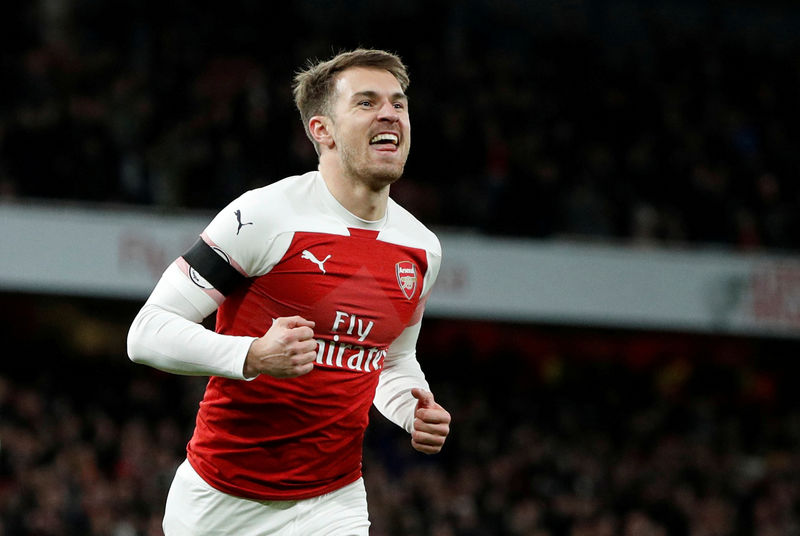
column 167, row 334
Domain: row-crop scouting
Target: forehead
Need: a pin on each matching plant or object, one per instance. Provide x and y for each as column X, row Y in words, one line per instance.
column 360, row 79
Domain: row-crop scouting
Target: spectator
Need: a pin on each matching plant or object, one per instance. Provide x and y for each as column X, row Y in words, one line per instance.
column 653, row 435
column 656, row 125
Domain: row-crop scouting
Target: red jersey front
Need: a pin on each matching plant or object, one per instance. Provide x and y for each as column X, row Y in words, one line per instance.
column 362, row 283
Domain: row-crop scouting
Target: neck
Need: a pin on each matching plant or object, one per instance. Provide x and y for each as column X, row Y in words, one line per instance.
column 357, row 196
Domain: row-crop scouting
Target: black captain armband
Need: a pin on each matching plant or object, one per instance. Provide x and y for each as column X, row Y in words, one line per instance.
column 209, row 264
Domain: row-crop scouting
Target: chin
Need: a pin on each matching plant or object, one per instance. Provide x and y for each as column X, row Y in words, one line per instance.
column 387, row 175
column 380, row 176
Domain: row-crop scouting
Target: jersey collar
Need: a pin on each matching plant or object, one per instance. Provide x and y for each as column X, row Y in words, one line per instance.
column 350, row 219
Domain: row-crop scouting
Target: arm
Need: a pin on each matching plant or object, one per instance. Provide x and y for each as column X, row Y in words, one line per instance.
column 166, row 334
column 403, row 395
column 400, row 374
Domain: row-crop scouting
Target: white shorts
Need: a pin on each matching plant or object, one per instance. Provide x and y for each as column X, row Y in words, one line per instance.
column 194, row 508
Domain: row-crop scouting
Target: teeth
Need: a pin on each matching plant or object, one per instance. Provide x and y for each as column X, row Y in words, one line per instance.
column 385, row 137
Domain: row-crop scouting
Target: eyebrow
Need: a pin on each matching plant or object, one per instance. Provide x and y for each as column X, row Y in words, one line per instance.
column 373, row 95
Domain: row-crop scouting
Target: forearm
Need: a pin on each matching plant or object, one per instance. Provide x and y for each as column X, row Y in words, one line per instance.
column 400, row 374
column 166, row 333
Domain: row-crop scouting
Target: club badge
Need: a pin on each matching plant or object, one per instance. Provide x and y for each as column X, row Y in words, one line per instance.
column 406, row 273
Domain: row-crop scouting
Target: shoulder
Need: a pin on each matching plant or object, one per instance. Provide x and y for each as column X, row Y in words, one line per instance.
column 271, row 198
column 261, row 208
column 405, row 229
column 254, row 228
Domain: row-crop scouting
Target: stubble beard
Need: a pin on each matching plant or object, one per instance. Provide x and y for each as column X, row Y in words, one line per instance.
column 376, row 176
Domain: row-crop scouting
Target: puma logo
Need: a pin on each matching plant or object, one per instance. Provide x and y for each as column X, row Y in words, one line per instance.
column 239, row 219
column 310, row 256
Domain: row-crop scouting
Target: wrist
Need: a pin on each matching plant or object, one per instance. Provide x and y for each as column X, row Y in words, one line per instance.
column 249, row 369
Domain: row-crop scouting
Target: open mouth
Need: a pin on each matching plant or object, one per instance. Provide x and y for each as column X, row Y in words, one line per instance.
column 385, row 138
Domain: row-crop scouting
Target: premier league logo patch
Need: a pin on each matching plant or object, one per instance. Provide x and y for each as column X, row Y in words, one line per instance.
column 406, row 277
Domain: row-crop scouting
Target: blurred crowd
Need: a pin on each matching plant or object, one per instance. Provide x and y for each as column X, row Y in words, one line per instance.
column 555, row 433
column 668, row 122
column 640, row 122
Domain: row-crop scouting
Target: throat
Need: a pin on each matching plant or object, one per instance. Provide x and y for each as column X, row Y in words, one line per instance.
column 367, row 205
column 364, row 198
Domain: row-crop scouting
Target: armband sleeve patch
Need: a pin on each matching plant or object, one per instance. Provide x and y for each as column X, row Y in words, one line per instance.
column 212, row 266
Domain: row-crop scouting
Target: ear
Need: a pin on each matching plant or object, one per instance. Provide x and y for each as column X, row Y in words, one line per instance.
column 320, row 128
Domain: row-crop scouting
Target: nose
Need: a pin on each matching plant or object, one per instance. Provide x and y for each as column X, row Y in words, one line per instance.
column 388, row 112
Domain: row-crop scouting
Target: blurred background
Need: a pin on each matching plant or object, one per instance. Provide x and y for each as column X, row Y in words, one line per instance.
column 615, row 184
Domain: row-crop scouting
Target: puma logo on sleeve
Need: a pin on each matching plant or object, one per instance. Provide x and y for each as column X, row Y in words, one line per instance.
column 239, row 219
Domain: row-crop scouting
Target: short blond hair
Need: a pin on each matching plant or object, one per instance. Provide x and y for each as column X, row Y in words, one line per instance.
column 314, row 86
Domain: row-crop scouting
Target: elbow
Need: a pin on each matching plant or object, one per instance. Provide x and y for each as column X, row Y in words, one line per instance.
column 136, row 345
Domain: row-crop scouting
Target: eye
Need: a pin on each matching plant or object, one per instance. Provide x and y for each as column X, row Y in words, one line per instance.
column 399, row 106
column 364, row 104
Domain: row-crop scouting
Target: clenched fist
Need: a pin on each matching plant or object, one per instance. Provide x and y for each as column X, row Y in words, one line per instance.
column 286, row 350
column 431, row 423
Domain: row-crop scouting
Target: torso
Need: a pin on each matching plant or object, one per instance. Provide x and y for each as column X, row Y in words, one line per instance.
column 361, row 283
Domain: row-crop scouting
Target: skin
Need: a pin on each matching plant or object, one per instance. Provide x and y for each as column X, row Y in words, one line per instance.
column 366, row 102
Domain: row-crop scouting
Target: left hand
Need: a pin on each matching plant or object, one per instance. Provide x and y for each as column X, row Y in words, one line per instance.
column 431, row 423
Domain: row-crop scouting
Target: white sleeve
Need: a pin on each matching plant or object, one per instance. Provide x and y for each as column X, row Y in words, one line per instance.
column 401, row 372
column 166, row 333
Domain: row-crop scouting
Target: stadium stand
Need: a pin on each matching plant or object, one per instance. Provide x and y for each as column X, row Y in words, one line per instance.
column 670, row 122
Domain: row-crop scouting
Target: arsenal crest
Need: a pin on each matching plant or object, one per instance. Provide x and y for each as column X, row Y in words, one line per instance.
column 406, row 277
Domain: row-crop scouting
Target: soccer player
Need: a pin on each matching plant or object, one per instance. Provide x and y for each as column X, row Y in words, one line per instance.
column 319, row 282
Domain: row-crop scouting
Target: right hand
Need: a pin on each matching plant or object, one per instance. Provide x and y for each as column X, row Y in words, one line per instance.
column 286, row 350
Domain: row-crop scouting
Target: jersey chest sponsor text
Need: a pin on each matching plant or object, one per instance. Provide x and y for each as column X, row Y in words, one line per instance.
column 360, row 292
column 348, row 356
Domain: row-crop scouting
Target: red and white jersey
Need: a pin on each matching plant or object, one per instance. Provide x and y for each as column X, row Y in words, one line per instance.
column 362, row 283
